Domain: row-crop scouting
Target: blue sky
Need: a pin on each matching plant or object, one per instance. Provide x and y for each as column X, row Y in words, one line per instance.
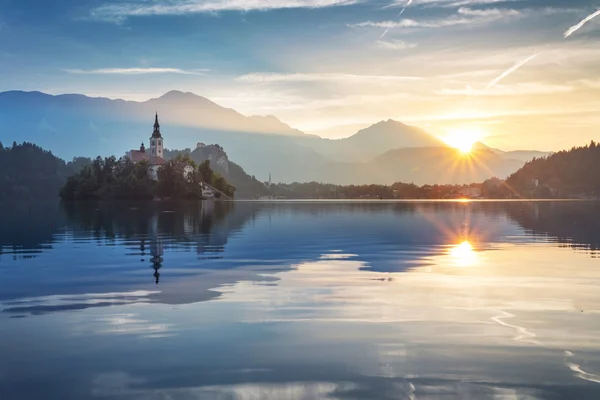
column 327, row 66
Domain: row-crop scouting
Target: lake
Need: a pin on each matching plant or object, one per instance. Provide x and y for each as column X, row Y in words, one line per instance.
column 300, row 300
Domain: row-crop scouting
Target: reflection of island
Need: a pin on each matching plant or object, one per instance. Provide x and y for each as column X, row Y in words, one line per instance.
column 181, row 221
column 26, row 229
column 203, row 227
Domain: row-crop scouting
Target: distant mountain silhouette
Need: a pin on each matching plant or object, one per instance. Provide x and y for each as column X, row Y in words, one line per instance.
column 76, row 125
column 518, row 155
column 424, row 165
column 375, row 140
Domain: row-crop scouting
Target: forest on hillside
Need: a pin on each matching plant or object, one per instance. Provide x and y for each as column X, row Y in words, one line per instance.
column 29, row 172
column 565, row 174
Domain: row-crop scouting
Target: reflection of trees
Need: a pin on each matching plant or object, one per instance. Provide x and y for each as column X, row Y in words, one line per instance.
column 205, row 227
column 200, row 226
column 27, row 228
column 575, row 224
column 130, row 220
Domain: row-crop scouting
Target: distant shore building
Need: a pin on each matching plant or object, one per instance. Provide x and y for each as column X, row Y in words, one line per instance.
column 155, row 156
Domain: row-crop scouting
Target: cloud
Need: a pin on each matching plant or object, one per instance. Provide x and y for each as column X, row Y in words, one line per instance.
column 411, row 23
column 591, row 83
column 465, row 16
column 135, row 71
column 300, row 77
column 584, row 21
column 395, row 45
column 460, row 3
column 520, row 89
column 120, row 12
column 488, row 12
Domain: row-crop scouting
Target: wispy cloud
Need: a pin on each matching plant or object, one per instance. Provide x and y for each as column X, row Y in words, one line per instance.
column 465, row 16
column 581, row 23
column 135, row 71
column 121, row 11
column 460, row 3
column 395, row 44
column 512, row 69
column 591, row 83
column 299, row 77
column 519, row 89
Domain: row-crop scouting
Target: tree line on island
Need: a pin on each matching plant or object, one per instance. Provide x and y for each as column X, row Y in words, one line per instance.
column 29, row 172
column 110, row 178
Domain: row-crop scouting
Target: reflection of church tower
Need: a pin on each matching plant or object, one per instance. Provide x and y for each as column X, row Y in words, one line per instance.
column 156, row 247
column 156, row 140
column 156, row 264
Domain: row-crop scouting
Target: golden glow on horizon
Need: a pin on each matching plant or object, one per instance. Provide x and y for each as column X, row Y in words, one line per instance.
column 463, row 139
column 463, row 254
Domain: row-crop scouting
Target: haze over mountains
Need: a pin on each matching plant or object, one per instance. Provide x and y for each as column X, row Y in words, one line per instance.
column 389, row 151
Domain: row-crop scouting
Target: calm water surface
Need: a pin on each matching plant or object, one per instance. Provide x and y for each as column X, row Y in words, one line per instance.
column 288, row 300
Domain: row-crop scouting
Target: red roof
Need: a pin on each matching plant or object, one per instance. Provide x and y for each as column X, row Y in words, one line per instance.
column 137, row 156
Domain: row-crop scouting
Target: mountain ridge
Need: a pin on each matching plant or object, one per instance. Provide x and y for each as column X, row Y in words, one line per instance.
column 77, row 125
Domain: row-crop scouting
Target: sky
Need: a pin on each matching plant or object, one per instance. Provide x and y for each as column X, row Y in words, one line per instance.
column 501, row 70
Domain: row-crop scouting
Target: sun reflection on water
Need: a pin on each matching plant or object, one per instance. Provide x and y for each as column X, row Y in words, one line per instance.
column 463, row 254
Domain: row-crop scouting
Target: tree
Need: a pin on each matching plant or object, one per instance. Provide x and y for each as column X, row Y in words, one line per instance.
column 110, row 178
column 206, row 173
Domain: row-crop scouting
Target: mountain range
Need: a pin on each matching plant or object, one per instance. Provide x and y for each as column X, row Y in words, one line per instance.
column 76, row 125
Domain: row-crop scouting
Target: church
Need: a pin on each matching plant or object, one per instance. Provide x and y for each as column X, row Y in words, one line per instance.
column 155, row 155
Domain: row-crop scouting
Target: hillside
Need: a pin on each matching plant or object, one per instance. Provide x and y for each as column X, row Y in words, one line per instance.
column 246, row 186
column 569, row 173
column 29, row 172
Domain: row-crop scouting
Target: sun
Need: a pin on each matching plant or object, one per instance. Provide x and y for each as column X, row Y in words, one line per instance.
column 463, row 139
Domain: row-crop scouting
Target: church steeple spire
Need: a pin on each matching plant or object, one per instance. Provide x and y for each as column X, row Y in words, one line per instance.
column 156, row 133
column 156, row 140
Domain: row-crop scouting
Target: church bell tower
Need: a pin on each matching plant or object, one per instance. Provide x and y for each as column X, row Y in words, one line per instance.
column 156, row 140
